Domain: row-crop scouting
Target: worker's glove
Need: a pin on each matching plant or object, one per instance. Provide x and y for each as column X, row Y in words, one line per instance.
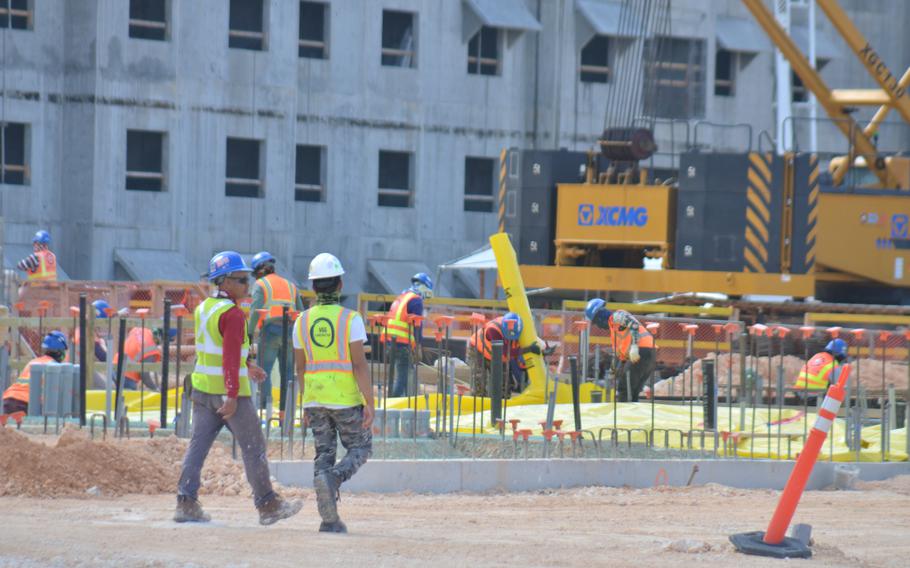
column 634, row 357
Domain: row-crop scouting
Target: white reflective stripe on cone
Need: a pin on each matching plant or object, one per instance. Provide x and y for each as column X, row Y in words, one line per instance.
column 831, row 404
column 822, row 424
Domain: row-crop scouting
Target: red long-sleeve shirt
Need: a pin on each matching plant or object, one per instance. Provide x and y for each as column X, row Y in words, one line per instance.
column 232, row 326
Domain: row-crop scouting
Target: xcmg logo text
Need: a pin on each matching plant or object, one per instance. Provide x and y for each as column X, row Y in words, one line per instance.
column 611, row 216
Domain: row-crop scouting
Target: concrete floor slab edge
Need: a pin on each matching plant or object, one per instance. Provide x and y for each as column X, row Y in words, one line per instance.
column 449, row 476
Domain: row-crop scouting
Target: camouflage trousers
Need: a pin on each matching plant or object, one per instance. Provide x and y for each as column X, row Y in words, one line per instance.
column 330, row 424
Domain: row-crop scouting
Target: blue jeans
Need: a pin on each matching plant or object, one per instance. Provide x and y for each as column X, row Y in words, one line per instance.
column 400, row 359
column 269, row 350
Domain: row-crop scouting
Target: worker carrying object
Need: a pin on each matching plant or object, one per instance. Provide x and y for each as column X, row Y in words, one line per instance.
column 272, row 293
column 41, row 265
column 818, row 372
column 506, row 328
column 399, row 336
column 633, row 346
column 335, row 383
column 53, row 349
column 221, row 396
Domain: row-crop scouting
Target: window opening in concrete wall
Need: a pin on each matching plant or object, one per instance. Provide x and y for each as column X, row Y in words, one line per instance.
column 595, row 60
column 309, row 181
column 399, row 39
column 313, row 42
column 148, row 19
column 725, row 73
column 799, row 92
column 247, row 25
column 145, row 157
column 16, row 14
column 242, row 172
column 478, row 184
column 676, row 76
column 14, row 168
column 395, row 179
column 483, row 52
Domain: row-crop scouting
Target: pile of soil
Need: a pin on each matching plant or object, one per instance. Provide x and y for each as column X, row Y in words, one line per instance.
column 870, row 373
column 76, row 465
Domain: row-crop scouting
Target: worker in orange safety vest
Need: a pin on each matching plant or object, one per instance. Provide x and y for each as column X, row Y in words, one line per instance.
column 53, row 348
column 633, row 347
column 141, row 345
column 403, row 337
column 41, row 265
column 817, row 374
column 506, row 328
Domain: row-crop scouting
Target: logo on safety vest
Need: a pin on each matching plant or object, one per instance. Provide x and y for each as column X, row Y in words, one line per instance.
column 611, row 216
column 322, row 333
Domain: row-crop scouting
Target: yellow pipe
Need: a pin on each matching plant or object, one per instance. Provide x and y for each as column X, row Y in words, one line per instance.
column 514, row 288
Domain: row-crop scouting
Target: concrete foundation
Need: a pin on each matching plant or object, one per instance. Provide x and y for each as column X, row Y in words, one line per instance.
column 450, row 476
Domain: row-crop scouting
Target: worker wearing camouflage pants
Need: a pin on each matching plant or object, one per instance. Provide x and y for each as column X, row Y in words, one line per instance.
column 335, row 383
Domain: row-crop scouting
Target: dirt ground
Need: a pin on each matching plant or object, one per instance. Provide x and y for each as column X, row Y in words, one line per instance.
column 580, row 527
column 70, row 501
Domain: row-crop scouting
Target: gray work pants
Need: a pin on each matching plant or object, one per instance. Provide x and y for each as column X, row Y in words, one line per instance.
column 244, row 424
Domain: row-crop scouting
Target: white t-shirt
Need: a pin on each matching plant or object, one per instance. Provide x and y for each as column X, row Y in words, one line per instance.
column 358, row 330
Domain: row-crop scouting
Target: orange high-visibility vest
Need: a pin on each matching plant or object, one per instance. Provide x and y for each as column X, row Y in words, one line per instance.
column 278, row 292
column 19, row 389
column 47, row 267
column 398, row 327
column 482, row 341
column 139, row 347
column 816, row 373
column 622, row 339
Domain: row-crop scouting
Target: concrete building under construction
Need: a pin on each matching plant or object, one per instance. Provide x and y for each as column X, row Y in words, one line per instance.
column 148, row 135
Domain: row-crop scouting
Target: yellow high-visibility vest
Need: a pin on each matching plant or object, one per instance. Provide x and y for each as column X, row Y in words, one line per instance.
column 324, row 331
column 208, row 376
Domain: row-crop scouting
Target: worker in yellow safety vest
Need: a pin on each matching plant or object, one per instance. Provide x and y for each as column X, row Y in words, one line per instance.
column 41, row 265
column 221, row 396
column 402, row 337
column 335, row 382
column 818, row 372
column 633, row 347
column 15, row 398
column 273, row 293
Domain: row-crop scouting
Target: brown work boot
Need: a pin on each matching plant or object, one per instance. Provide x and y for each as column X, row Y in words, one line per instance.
column 189, row 510
column 278, row 508
column 326, row 486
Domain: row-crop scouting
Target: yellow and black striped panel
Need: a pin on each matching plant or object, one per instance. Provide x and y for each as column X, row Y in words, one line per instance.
column 758, row 213
column 812, row 217
column 502, row 190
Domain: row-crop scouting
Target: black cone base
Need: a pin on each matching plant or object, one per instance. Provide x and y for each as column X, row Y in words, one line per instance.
column 752, row 543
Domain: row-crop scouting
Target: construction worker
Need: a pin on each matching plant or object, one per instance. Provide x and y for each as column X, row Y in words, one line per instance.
column 100, row 347
column 818, row 372
column 272, row 293
column 633, row 346
column 506, row 328
column 53, row 349
column 221, row 396
column 41, row 265
column 335, row 383
column 140, row 345
column 400, row 333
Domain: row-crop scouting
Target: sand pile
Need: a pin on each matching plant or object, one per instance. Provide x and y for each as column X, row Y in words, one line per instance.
column 870, row 373
column 76, row 464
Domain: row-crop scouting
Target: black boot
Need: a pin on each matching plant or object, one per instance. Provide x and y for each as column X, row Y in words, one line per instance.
column 326, row 485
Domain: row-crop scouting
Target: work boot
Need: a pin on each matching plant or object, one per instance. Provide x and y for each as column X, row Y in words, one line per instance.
column 326, row 486
column 278, row 508
column 189, row 510
column 336, row 527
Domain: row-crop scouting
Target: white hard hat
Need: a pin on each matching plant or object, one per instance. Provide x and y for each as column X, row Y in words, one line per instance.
column 325, row 265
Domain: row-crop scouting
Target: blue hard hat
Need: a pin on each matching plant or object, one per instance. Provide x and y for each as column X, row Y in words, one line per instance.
column 100, row 307
column 837, row 347
column 54, row 341
column 423, row 278
column 42, row 237
column 511, row 326
column 225, row 263
column 262, row 258
column 594, row 308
